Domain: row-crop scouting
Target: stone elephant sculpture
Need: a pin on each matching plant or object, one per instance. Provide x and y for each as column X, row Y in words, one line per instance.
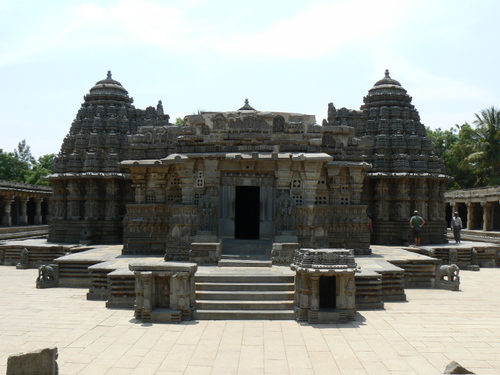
column 46, row 273
column 449, row 271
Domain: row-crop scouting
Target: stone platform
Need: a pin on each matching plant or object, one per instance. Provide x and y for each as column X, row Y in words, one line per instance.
column 104, row 271
column 421, row 336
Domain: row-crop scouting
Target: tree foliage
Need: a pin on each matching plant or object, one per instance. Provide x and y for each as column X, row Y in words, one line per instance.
column 471, row 153
column 21, row 166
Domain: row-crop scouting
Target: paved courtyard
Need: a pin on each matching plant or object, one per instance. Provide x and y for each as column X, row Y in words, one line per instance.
column 420, row 336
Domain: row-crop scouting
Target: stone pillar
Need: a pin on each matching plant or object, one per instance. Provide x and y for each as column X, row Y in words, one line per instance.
column 487, row 206
column 283, row 174
column 139, row 295
column 7, row 218
column 92, row 200
column 23, row 217
column 188, row 180
column 112, row 209
column 470, row 215
column 314, row 292
column 38, row 213
column 73, row 200
column 310, row 182
column 147, row 305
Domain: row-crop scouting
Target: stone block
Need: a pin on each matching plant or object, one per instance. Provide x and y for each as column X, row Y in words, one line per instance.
column 455, row 368
column 39, row 362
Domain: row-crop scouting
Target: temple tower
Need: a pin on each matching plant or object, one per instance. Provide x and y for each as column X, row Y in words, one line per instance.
column 90, row 192
column 406, row 175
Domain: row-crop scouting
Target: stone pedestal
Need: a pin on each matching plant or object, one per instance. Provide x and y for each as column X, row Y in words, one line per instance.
column 165, row 291
column 282, row 253
column 205, row 253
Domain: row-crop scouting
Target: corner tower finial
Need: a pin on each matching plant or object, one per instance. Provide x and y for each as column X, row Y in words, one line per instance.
column 109, row 74
column 246, row 107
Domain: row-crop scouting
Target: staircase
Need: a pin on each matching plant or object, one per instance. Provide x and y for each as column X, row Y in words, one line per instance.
column 246, row 253
column 244, row 297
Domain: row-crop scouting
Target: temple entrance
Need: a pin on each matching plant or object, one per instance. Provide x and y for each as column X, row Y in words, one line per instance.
column 328, row 292
column 247, row 213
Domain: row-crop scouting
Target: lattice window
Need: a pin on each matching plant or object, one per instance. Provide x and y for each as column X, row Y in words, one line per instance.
column 296, row 184
column 321, row 200
column 200, row 179
column 174, row 198
column 197, row 197
column 150, row 198
column 344, row 201
column 298, row 200
column 175, row 180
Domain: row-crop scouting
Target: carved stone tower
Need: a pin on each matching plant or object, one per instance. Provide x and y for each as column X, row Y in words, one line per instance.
column 406, row 175
column 89, row 190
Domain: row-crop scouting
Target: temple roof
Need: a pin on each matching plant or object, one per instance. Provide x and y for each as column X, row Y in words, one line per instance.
column 387, row 85
column 107, row 89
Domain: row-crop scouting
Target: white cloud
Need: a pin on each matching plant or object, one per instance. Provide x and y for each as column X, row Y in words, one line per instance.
column 318, row 31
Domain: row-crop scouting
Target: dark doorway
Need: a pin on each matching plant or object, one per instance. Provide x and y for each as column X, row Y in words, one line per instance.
column 328, row 292
column 247, row 213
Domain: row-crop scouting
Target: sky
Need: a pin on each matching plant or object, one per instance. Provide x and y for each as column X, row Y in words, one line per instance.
column 210, row 55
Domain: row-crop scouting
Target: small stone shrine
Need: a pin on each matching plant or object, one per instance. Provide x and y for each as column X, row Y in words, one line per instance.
column 165, row 291
column 325, row 289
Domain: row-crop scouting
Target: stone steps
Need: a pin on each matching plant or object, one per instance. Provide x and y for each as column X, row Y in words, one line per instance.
column 242, row 262
column 250, row 295
column 24, row 232
column 250, row 249
column 245, row 315
column 246, row 297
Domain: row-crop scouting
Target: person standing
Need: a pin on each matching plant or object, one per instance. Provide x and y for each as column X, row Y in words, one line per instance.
column 416, row 223
column 456, row 225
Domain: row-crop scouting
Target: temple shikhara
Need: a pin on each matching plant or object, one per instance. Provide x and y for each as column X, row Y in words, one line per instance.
column 223, row 180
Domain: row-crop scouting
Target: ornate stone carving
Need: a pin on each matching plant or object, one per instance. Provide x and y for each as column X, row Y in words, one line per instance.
column 207, row 214
column 285, row 214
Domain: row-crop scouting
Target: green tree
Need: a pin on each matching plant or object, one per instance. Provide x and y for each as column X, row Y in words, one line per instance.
column 450, row 146
column 10, row 167
column 21, row 166
column 23, row 154
column 484, row 147
column 41, row 168
column 178, row 122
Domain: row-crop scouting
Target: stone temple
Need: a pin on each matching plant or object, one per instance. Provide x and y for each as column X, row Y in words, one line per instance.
column 277, row 181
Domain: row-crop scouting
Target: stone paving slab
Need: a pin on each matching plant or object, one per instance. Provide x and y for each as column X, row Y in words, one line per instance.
column 420, row 336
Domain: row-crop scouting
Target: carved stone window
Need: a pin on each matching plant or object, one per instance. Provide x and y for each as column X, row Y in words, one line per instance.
column 174, row 198
column 299, row 201
column 321, row 200
column 150, row 197
column 344, row 201
column 296, row 184
column 200, row 179
column 197, row 197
